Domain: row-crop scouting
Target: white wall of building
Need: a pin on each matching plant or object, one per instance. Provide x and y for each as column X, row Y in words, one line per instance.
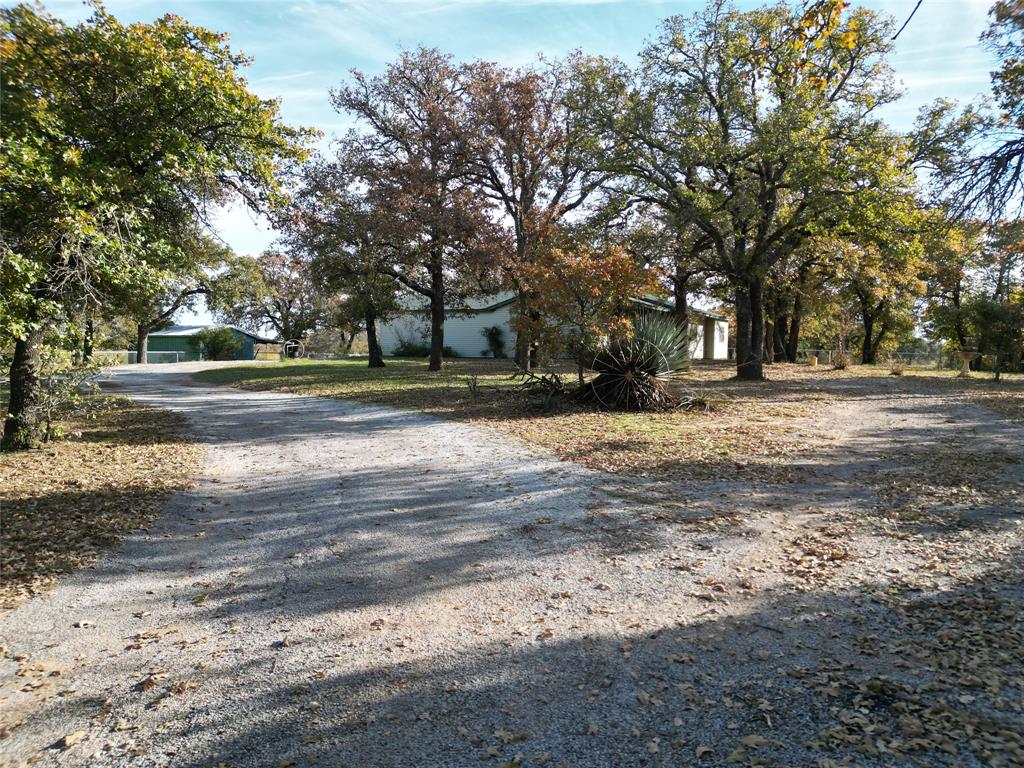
column 696, row 341
column 721, row 349
column 463, row 333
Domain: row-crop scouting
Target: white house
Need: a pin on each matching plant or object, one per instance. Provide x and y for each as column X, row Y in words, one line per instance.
column 463, row 328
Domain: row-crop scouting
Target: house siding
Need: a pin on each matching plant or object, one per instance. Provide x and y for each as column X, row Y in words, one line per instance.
column 463, row 332
column 187, row 353
column 721, row 341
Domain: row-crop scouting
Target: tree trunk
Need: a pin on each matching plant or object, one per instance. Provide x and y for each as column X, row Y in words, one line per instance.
column 87, row 340
column 680, row 286
column 742, row 327
column 742, row 301
column 141, row 343
column 781, row 326
column 961, row 331
column 793, row 342
column 376, row 353
column 522, row 351
column 867, row 349
column 436, row 316
column 750, row 329
column 21, row 427
column 876, row 343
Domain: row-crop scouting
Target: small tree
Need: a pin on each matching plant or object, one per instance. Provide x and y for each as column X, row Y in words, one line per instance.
column 999, row 327
column 583, row 294
column 217, row 343
column 494, row 335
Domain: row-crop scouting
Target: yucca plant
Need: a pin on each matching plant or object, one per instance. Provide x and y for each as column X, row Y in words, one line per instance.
column 632, row 370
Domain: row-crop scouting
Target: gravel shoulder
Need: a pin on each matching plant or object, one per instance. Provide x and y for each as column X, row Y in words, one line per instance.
column 352, row 585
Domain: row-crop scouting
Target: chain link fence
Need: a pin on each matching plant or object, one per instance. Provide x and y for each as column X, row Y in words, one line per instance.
column 128, row 357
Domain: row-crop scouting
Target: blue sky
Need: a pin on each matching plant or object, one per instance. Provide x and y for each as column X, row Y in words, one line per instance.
column 302, row 48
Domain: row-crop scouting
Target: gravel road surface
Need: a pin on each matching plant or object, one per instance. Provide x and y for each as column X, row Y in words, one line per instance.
column 349, row 585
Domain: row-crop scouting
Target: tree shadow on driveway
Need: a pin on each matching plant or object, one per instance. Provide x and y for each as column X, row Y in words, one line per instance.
column 882, row 677
column 348, row 585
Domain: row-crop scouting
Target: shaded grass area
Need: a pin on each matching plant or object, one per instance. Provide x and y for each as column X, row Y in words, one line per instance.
column 750, row 427
column 64, row 504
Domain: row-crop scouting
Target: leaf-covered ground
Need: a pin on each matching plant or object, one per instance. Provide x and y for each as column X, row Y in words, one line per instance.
column 64, row 504
column 349, row 585
column 1005, row 397
column 747, row 432
column 756, row 430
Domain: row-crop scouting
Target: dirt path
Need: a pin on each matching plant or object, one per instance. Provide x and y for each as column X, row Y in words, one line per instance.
column 352, row 586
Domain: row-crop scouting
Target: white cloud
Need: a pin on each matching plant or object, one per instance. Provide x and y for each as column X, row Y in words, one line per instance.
column 282, row 78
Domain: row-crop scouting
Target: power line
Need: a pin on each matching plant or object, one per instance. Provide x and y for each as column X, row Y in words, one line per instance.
column 908, row 19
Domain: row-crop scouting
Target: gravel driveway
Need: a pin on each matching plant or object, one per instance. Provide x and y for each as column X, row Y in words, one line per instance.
column 348, row 585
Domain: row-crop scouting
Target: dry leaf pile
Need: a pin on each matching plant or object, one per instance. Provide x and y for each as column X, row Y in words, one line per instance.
column 943, row 484
column 64, row 504
column 953, row 691
column 815, row 556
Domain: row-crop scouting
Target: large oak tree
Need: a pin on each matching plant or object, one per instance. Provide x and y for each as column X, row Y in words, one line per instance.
column 408, row 152
column 114, row 137
column 758, row 128
column 528, row 152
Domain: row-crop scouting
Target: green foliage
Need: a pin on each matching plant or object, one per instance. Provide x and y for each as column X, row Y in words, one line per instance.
column 95, row 198
column 217, row 343
column 114, row 138
column 632, row 369
column 412, row 348
column 758, row 127
column 338, row 231
column 999, row 329
column 274, row 289
column 494, row 335
column 68, row 387
column 974, row 290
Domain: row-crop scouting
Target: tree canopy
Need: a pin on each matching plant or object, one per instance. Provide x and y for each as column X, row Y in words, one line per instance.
column 754, row 131
column 117, row 139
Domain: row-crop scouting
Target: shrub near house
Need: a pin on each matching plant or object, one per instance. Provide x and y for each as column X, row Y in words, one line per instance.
column 217, row 343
